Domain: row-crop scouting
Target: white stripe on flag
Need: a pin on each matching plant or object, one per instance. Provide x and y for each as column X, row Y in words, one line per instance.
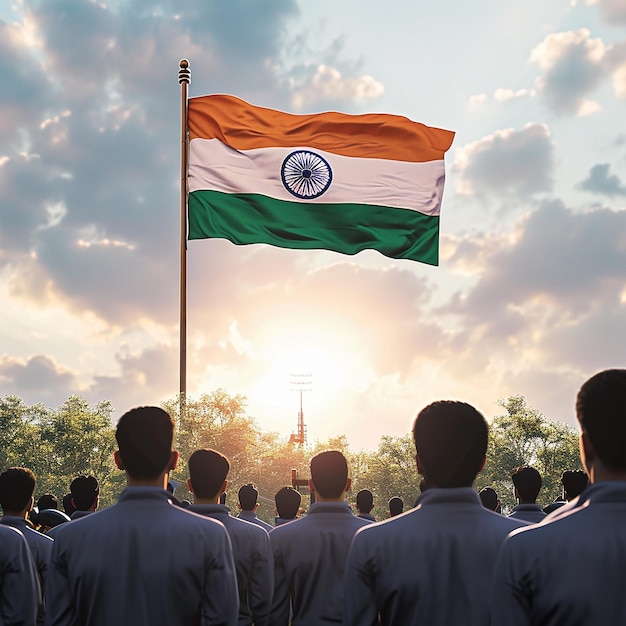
column 383, row 182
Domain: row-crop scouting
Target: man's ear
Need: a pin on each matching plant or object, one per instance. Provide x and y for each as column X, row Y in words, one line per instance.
column 118, row 460
column 173, row 460
column 418, row 462
column 223, row 487
column 311, row 486
column 188, row 483
column 348, row 485
column 482, row 465
column 587, row 452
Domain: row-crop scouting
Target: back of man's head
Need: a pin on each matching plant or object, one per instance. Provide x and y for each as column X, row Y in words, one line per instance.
column 329, row 473
column 68, row 507
column 600, row 410
column 451, row 442
column 287, row 502
column 396, row 506
column 527, row 481
column 144, row 438
column 248, row 495
column 574, row 483
column 364, row 501
column 47, row 501
column 489, row 498
column 17, row 485
column 84, row 490
column 208, row 470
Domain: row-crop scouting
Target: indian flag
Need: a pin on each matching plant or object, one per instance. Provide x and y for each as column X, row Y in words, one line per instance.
column 330, row 180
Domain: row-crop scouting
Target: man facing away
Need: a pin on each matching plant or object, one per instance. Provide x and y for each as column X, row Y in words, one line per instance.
column 287, row 501
column 20, row 594
column 208, row 471
column 365, row 504
column 17, row 486
column 433, row 564
column 84, row 495
column 248, row 503
column 142, row 561
column 310, row 552
column 527, row 483
column 570, row 569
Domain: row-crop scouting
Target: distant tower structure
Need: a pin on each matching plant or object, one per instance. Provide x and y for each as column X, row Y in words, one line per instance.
column 300, row 383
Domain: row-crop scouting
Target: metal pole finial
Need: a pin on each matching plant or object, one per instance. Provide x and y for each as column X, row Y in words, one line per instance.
column 184, row 73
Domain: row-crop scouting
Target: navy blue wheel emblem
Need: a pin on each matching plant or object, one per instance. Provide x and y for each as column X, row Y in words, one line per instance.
column 305, row 174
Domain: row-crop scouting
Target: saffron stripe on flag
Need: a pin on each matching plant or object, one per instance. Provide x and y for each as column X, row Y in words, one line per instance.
column 347, row 228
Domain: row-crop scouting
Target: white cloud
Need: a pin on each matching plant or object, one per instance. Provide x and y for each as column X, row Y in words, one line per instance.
column 573, row 65
column 477, row 101
column 507, row 162
column 504, row 95
column 612, row 10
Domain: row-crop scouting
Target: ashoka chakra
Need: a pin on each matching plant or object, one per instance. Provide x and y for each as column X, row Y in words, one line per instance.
column 305, row 174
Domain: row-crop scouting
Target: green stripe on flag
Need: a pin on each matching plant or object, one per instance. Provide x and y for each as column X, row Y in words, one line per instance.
column 346, row 228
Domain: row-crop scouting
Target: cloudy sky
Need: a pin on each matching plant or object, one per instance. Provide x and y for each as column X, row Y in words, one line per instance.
column 530, row 295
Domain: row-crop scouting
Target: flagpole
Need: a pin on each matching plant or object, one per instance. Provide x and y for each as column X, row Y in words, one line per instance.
column 184, row 78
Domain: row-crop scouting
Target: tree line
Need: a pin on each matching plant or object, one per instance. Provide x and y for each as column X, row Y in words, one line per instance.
column 77, row 438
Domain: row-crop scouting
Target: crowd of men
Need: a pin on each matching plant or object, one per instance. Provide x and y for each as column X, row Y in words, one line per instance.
column 450, row 559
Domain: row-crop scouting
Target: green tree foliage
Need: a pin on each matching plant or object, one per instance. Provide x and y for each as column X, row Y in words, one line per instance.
column 524, row 436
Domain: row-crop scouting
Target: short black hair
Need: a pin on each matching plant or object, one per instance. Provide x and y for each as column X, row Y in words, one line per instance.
column 329, row 473
column 396, row 506
column 248, row 496
column 601, row 411
column 47, row 501
column 451, row 441
column 489, row 498
column 527, row 481
column 84, row 490
column 208, row 470
column 574, row 483
column 287, row 502
column 17, row 485
column 68, row 507
column 144, row 437
column 364, row 501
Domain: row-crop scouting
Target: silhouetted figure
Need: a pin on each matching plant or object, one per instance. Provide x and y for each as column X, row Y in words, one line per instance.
column 569, row 569
column 47, row 501
column 84, row 492
column 143, row 560
column 396, row 506
column 527, row 482
column 574, row 483
column 432, row 565
column 17, row 486
column 20, row 594
column 310, row 552
column 365, row 504
column 68, row 507
column 248, row 503
column 489, row 499
column 287, row 502
column 208, row 471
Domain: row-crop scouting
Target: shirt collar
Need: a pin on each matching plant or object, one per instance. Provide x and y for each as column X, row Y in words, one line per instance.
column 454, row 495
column 330, row 507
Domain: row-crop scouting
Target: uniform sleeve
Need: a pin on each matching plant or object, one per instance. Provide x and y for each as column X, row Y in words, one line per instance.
column 220, row 598
column 359, row 591
column 510, row 590
column 281, row 602
column 59, row 601
column 261, row 582
column 19, row 586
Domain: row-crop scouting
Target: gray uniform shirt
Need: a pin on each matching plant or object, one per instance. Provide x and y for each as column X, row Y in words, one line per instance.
column 570, row 569
column 142, row 561
column 19, row 587
column 250, row 516
column 253, row 561
column 40, row 549
column 532, row 513
column 309, row 563
column 431, row 565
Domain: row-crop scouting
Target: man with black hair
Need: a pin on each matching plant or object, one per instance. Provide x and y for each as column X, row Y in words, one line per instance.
column 17, row 486
column 287, row 501
column 527, row 483
column 489, row 499
column 432, row 565
column 20, row 593
column 310, row 552
column 208, row 471
column 569, row 569
column 396, row 506
column 84, row 494
column 248, row 503
column 365, row 504
column 574, row 483
column 143, row 560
